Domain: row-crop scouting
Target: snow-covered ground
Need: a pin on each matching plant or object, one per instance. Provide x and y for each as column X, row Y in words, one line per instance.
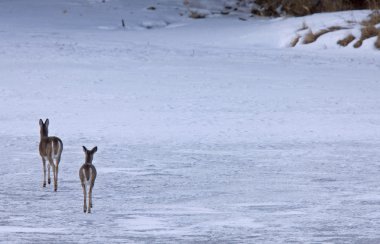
column 207, row 130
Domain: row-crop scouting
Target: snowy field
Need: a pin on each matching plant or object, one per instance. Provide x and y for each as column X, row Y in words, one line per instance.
column 207, row 130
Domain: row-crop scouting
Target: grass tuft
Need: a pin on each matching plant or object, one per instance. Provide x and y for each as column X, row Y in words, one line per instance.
column 295, row 41
column 366, row 32
column 377, row 43
column 311, row 37
column 347, row 40
column 373, row 19
column 358, row 44
column 306, row 7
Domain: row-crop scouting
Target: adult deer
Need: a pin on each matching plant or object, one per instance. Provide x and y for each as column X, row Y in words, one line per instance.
column 50, row 150
column 87, row 176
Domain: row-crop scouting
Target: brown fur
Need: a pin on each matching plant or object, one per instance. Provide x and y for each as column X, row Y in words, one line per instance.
column 50, row 149
column 87, row 173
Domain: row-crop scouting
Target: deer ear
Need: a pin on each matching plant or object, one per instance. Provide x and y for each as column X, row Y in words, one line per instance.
column 41, row 122
column 47, row 122
column 84, row 149
column 94, row 150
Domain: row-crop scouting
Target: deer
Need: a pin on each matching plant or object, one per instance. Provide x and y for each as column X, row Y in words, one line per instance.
column 87, row 176
column 50, row 148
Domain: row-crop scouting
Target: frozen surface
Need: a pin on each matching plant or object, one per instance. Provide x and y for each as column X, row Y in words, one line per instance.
column 208, row 130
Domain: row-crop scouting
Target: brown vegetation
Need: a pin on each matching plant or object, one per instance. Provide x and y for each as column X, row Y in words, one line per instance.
column 377, row 43
column 373, row 19
column 367, row 32
column 311, row 37
column 347, row 40
column 306, row 7
column 294, row 42
column 196, row 14
column 358, row 44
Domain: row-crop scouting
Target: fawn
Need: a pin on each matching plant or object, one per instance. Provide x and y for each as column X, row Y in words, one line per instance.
column 87, row 176
column 50, row 150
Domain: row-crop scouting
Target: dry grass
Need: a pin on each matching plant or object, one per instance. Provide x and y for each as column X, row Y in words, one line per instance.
column 374, row 4
column 373, row 19
column 347, row 40
column 367, row 32
column 295, row 41
column 311, row 37
column 196, row 14
column 358, row 44
column 377, row 43
column 305, row 7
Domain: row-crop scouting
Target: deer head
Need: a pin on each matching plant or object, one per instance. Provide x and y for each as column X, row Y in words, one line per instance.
column 89, row 154
column 44, row 132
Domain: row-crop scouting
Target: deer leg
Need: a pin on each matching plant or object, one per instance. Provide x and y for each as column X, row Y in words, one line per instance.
column 90, row 198
column 84, row 198
column 54, row 170
column 56, row 177
column 44, row 168
column 48, row 166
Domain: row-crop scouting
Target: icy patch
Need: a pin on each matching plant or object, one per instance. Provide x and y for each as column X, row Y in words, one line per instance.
column 180, row 210
column 130, row 171
column 141, row 223
column 19, row 229
column 207, row 152
column 107, row 28
column 237, row 223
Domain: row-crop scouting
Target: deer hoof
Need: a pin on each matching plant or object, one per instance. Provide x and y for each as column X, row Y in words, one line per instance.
column 49, row 181
column 44, row 184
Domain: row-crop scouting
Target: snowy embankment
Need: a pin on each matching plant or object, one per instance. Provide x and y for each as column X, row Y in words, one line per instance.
column 208, row 130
